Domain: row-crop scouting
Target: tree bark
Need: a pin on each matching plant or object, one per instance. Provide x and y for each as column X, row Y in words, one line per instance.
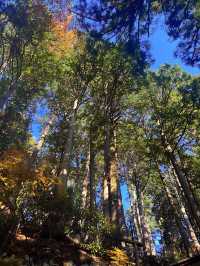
column 8, row 94
column 146, row 234
column 111, row 186
column 65, row 163
column 189, row 237
column 136, row 225
column 107, row 208
column 92, row 151
column 88, row 191
column 191, row 202
column 85, row 189
column 135, row 211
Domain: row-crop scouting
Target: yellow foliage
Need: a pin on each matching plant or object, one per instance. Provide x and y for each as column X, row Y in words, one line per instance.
column 64, row 39
column 15, row 171
column 14, row 168
column 118, row 257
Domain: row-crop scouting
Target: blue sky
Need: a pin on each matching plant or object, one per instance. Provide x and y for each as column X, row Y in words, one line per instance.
column 162, row 50
column 36, row 125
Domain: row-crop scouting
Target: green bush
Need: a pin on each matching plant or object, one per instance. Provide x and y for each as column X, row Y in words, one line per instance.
column 94, row 248
column 95, row 225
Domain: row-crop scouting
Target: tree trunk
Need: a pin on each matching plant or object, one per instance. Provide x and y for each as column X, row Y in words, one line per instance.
column 92, row 151
column 111, row 178
column 114, row 186
column 88, row 191
column 136, row 226
column 135, row 211
column 194, row 243
column 146, row 234
column 189, row 237
column 65, row 163
column 191, row 202
column 121, row 216
column 107, row 208
column 8, row 94
column 44, row 134
column 3, row 67
column 85, row 189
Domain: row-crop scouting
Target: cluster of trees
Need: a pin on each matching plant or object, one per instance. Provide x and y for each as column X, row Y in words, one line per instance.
column 109, row 125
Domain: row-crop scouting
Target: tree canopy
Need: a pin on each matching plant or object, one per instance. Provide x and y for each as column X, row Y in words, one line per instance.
column 99, row 154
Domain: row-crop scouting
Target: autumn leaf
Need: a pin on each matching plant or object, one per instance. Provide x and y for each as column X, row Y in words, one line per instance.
column 64, row 38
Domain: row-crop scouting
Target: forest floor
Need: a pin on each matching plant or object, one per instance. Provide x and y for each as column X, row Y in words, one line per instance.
column 27, row 251
column 51, row 252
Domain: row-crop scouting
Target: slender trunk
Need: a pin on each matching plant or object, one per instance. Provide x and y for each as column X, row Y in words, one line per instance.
column 135, row 211
column 65, row 164
column 3, row 67
column 8, row 94
column 85, row 191
column 194, row 243
column 191, row 202
column 180, row 195
column 92, row 193
column 44, row 134
column 121, row 216
column 188, row 235
column 136, row 226
column 88, row 191
column 146, row 234
column 177, row 216
column 195, row 246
